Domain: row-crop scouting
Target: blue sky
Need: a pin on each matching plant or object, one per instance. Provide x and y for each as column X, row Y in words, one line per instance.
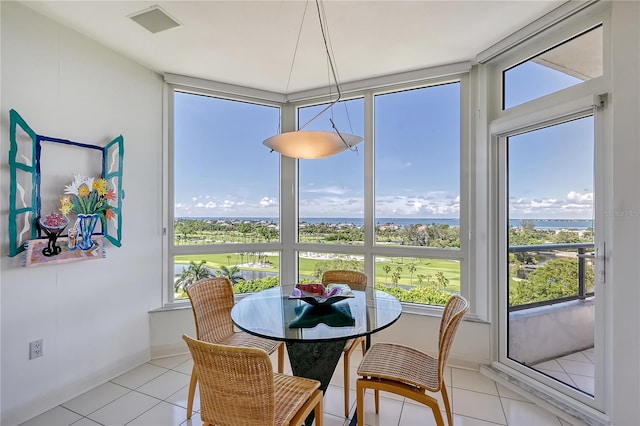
column 223, row 169
column 551, row 169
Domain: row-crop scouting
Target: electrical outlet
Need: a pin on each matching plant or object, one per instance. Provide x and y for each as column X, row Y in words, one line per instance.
column 36, row 349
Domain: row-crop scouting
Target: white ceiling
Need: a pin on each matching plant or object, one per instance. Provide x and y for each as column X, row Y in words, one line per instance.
column 252, row 43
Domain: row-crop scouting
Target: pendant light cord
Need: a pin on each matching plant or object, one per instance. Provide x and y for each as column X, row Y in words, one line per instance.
column 333, row 72
column 295, row 51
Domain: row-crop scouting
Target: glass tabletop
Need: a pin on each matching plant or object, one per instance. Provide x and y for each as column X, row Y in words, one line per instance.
column 271, row 314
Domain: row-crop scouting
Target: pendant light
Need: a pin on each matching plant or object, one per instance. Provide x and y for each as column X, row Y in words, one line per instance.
column 312, row 144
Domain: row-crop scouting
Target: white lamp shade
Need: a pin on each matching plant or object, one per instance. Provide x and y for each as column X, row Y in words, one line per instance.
column 311, row 144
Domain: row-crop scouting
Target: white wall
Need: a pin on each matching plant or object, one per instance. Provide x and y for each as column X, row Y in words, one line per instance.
column 530, row 341
column 92, row 315
column 623, row 248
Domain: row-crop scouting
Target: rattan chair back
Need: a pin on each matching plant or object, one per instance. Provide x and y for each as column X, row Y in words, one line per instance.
column 409, row 372
column 236, row 384
column 452, row 315
column 356, row 280
column 211, row 301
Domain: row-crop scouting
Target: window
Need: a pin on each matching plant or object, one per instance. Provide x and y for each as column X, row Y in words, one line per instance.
column 226, row 207
column 417, row 157
column 417, row 191
column 331, row 190
column 225, row 189
column 565, row 65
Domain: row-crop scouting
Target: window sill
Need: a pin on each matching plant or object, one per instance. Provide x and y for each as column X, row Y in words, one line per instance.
column 172, row 307
column 435, row 311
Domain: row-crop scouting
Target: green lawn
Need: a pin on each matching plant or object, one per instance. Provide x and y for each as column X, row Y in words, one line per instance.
column 426, row 267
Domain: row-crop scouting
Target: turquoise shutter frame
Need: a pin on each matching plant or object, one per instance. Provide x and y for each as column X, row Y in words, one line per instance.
column 112, row 159
column 29, row 208
column 26, row 213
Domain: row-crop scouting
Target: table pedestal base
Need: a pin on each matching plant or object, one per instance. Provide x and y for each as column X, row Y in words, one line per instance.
column 315, row 360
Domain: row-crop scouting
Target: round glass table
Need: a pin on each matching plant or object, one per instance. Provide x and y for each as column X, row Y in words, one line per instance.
column 315, row 335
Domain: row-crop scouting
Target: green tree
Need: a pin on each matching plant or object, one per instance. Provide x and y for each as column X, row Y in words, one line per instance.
column 244, row 228
column 233, row 274
column 557, row 278
column 397, row 273
column 395, row 277
column 184, row 229
column 329, row 265
column 424, row 295
column 267, row 233
column 194, row 272
column 386, row 269
column 259, row 284
column 428, row 277
column 567, row 237
column 412, row 268
column 442, row 280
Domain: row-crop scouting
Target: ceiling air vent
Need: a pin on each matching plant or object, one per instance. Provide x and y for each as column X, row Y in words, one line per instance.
column 154, row 19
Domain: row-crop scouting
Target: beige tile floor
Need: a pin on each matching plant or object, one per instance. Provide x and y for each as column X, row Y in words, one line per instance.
column 155, row 394
column 576, row 370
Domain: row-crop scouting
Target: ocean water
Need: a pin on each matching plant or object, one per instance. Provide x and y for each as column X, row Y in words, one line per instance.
column 577, row 224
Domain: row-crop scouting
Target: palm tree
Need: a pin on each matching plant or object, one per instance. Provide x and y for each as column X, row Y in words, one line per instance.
column 412, row 269
column 386, row 269
column 233, row 274
column 428, row 277
column 442, row 280
column 396, row 274
column 395, row 277
column 194, row 272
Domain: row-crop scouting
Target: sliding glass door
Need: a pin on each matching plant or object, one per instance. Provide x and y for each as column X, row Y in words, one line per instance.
column 550, row 266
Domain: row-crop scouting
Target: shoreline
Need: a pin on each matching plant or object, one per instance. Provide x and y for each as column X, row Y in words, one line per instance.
column 539, row 224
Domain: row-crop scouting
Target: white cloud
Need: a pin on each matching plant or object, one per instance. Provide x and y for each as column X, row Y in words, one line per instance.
column 436, row 204
column 332, row 189
column 575, row 205
column 577, row 197
column 231, row 206
column 268, row 202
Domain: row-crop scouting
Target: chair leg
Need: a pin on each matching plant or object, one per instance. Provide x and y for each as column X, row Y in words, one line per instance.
column 360, row 401
column 315, row 403
column 376, row 394
column 438, row 416
column 281, row 358
column 192, row 392
column 319, row 411
column 363, row 345
column 346, row 384
column 447, row 406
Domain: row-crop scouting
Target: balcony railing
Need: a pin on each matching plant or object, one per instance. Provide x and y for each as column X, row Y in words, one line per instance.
column 582, row 256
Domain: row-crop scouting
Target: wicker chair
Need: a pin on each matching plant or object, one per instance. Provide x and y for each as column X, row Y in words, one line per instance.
column 357, row 281
column 211, row 301
column 238, row 387
column 409, row 372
